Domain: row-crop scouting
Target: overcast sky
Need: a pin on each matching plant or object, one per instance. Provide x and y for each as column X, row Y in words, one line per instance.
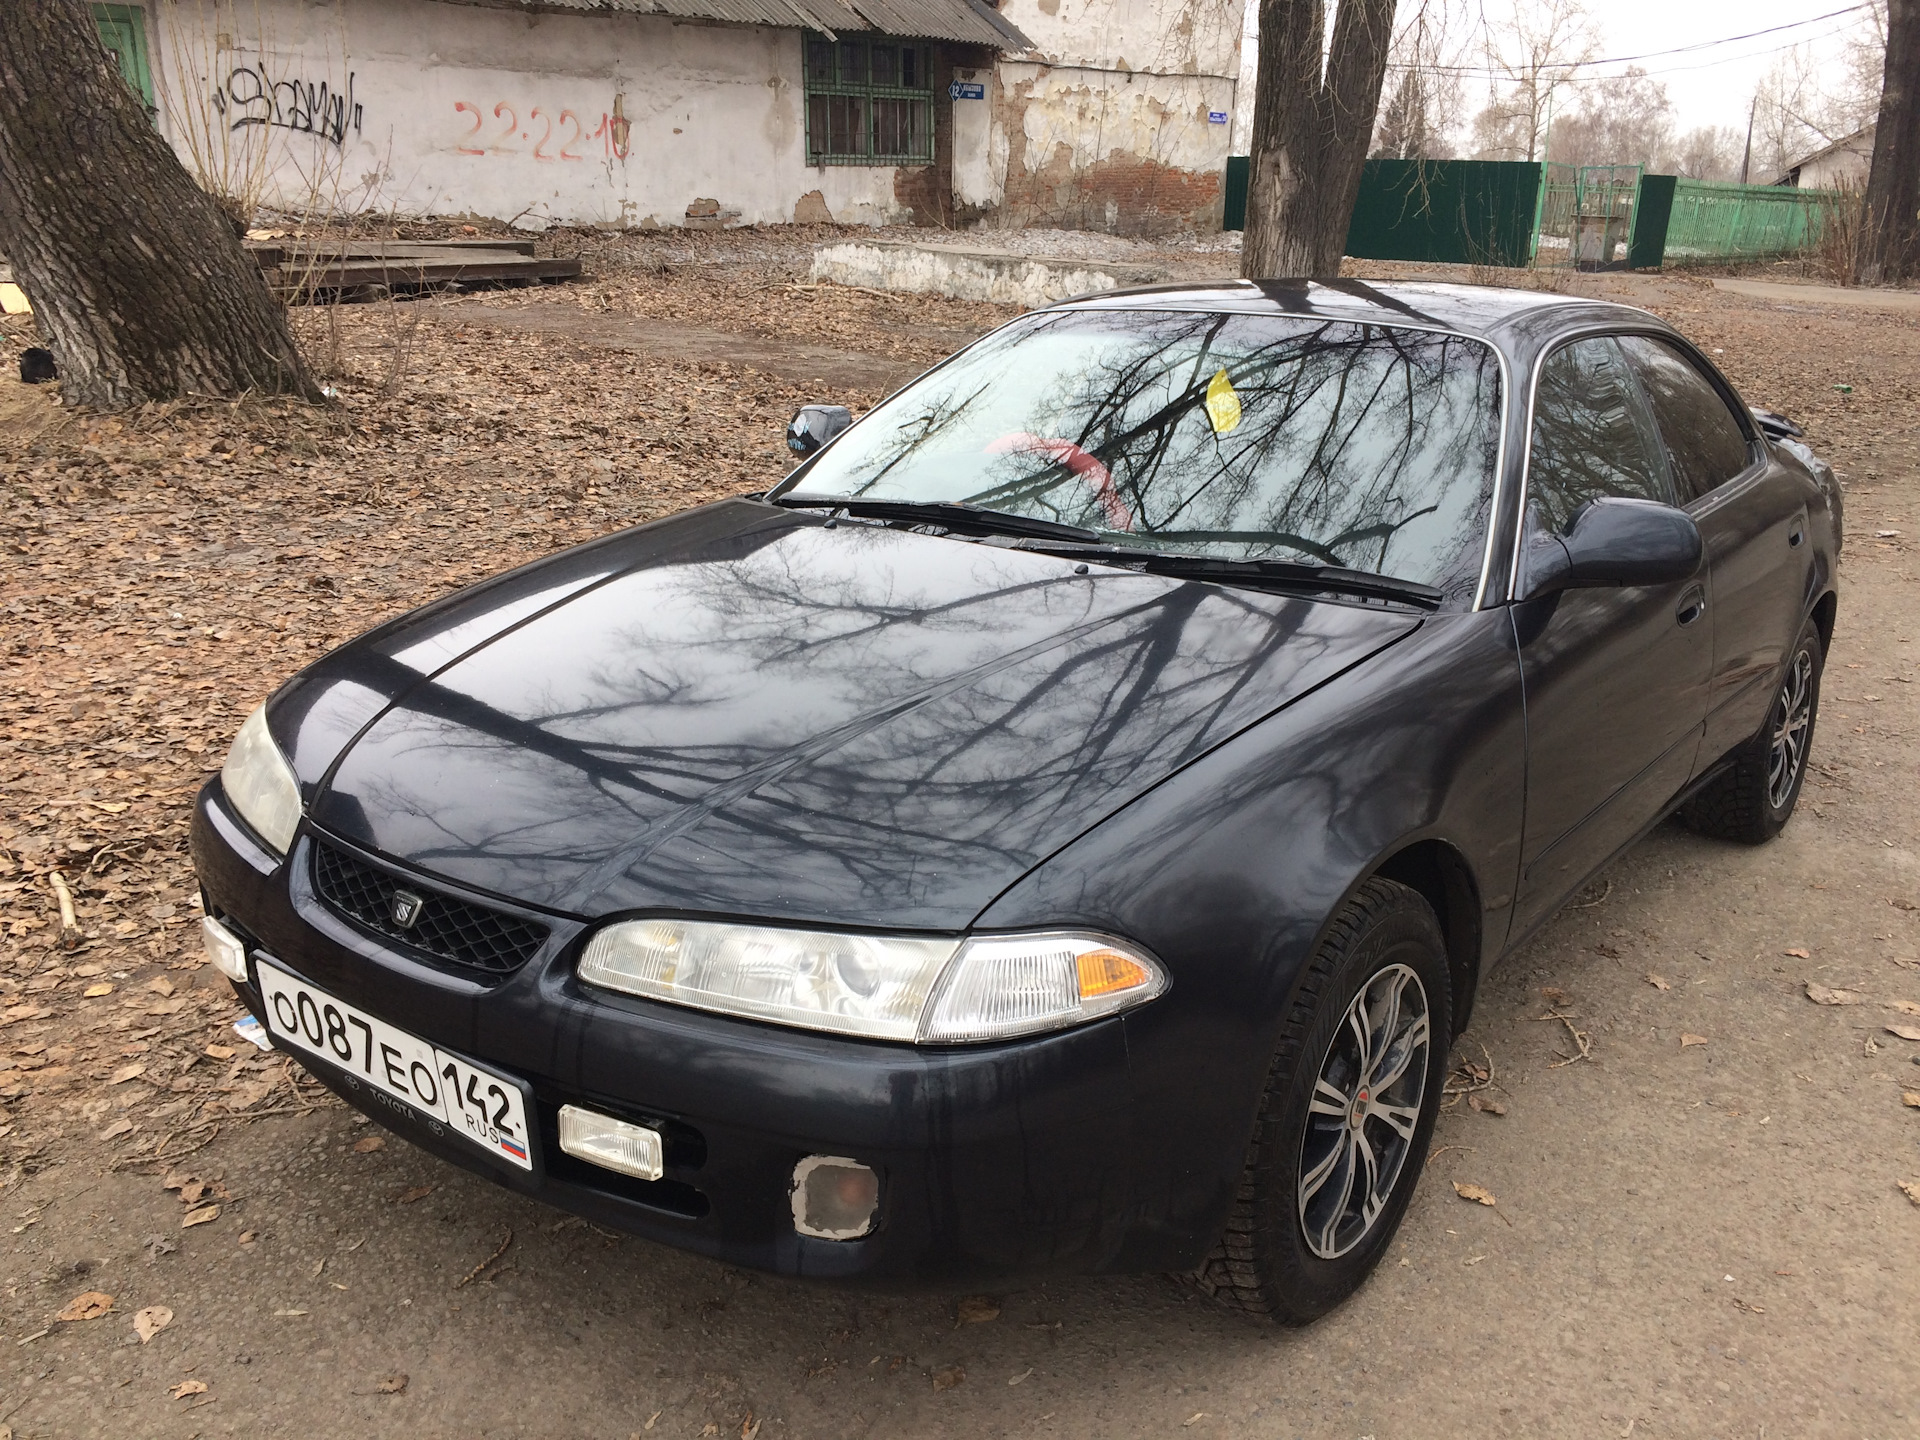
column 1708, row 86
column 1714, row 86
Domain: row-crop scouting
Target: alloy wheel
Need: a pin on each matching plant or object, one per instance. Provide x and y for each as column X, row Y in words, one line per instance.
column 1792, row 722
column 1365, row 1108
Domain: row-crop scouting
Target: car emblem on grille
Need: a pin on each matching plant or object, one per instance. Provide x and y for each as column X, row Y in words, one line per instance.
column 406, row 908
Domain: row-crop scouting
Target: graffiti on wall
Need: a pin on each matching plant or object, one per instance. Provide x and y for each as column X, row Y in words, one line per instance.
column 545, row 134
column 251, row 97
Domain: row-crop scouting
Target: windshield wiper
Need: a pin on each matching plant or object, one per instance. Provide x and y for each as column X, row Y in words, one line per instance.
column 949, row 513
column 1281, row 574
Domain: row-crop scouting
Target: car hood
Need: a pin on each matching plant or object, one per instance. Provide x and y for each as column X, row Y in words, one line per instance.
column 743, row 710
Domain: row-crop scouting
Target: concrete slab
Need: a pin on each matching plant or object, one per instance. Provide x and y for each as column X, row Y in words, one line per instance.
column 968, row 272
column 1864, row 297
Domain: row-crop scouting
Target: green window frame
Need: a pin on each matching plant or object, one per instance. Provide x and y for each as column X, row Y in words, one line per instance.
column 123, row 32
column 869, row 100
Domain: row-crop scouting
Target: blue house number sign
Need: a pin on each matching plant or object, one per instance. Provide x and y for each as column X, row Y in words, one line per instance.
column 967, row 90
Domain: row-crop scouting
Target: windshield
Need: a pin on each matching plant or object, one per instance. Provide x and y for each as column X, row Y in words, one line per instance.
column 1234, row 436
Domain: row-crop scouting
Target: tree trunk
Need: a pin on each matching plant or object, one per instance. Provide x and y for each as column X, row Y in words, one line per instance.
column 1890, row 227
column 1311, row 125
column 134, row 274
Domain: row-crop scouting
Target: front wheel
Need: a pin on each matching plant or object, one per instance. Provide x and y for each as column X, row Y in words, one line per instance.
column 1348, row 1110
column 1754, row 799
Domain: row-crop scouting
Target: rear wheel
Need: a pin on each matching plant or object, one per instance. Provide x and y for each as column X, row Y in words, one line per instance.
column 1347, row 1113
column 1754, row 799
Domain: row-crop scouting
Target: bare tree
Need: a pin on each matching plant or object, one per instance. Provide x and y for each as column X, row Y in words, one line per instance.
column 1315, row 98
column 1532, row 53
column 1890, row 252
column 1622, row 120
column 1806, row 102
column 133, row 272
column 1422, row 107
column 1707, row 152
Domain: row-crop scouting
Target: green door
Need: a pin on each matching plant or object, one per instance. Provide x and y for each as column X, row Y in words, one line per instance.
column 123, row 31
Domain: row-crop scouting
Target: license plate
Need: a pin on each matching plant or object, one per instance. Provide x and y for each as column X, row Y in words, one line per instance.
column 476, row 1104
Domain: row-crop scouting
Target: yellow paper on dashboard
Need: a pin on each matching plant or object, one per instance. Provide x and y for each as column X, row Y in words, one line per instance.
column 1223, row 405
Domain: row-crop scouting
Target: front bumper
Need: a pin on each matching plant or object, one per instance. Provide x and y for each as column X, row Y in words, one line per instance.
column 995, row 1161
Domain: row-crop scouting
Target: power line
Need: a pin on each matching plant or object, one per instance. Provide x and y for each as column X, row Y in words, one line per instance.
column 1651, row 54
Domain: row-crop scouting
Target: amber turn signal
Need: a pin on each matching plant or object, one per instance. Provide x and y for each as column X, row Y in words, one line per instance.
column 1108, row 972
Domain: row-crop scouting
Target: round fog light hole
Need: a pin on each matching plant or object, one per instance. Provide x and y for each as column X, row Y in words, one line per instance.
column 834, row 1198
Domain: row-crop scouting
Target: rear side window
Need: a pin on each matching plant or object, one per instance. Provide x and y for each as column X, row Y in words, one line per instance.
column 1705, row 443
column 1591, row 436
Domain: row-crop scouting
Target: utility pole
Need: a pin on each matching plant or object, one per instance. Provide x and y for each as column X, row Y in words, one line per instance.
column 1746, row 160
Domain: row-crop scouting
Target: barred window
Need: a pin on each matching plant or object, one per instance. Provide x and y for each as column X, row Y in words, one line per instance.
column 869, row 102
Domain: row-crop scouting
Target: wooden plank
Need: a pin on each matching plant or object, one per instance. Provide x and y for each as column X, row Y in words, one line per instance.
column 421, row 274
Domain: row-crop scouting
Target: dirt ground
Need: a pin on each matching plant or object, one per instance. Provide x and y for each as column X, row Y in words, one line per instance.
column 1700, row 1229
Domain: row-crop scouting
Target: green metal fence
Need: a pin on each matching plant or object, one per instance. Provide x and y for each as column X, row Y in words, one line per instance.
column 1712, row 222
column 1461, row 212
column 1505, row 213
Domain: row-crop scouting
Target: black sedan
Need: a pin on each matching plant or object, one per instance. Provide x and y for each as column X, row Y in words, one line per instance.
column 1063, row 825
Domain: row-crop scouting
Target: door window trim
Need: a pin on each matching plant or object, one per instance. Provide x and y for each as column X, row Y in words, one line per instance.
column 1729, row 397
column 1574, row 337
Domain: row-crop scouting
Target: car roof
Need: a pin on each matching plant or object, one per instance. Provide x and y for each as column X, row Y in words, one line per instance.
column 1507, row 317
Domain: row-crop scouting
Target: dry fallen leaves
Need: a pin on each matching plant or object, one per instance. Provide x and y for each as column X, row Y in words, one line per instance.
column 1479, row 1194
column 1821, row 995
column 1658, row 982
column 219, row 1052
column 1797, row 954
column 949, row 1377
column 1911, row 1099
column 94, row 992
column 1487, row 1106
column 87, row 1305
column 367, row 1144
column 1905, row 1032
column 413, row 1193
column 1911, row 1189
column 1690, row 1039
column 199, row 1217
column 1905, row 1007
column 186, row 1388
column 126, row 1073
column 394, row 1384
column 977, row 1309
column 150, row 1321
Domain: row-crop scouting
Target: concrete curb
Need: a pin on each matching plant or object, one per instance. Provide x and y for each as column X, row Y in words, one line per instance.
column 968, row 274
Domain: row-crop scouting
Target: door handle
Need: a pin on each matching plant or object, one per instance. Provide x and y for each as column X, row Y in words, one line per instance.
column 1692, row 606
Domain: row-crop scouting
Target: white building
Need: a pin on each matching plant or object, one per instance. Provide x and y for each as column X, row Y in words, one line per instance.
column 1107, row 114
column 1843, row 165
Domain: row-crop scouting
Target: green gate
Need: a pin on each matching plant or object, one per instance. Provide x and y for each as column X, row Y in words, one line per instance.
column 1460, row 212
column 1468, row 212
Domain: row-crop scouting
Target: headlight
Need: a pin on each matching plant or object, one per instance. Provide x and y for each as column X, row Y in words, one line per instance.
column 260, row 784
column 925, row 989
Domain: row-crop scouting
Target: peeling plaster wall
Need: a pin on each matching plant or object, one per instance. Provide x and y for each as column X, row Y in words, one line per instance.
column 1107, row 124
column 454, row 110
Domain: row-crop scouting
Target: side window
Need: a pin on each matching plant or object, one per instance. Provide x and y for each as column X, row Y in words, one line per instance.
column 1591, row 436
column 1704, row 441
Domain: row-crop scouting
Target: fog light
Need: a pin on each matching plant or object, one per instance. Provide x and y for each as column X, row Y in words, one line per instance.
column 834, row 1199
column 609, row 1143
column 226, row 949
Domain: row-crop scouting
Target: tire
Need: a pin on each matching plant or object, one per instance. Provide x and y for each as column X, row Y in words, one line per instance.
column 1294, row 1246
column 1752, row 802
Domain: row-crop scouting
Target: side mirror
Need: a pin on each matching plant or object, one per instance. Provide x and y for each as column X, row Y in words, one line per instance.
column 1615, row 541
column 814, row 425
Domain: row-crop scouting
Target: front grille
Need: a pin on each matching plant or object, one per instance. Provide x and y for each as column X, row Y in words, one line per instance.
column 456, row 931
